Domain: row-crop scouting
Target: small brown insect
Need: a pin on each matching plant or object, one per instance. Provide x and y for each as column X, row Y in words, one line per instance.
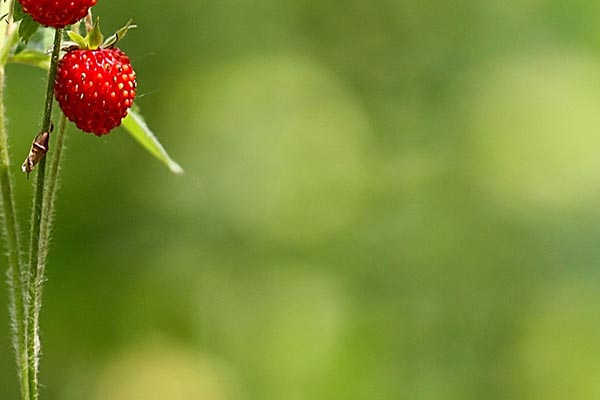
column 39, row 148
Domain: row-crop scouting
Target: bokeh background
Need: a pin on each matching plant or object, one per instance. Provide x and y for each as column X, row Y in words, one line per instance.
column 383, row 200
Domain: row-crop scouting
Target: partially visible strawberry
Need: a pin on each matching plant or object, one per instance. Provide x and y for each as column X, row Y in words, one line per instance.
column 57, row 13
column 95, row 88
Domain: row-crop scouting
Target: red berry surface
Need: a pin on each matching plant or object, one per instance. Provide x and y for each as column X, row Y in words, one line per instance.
column 95, row 88
column 57, row 13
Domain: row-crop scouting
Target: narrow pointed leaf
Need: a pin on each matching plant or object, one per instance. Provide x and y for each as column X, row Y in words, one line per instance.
column 136, row 126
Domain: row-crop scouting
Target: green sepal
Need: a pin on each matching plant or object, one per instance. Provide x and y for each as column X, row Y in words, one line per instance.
column 118, row 35
column 27, row 28
column 77, row 39
column 41, row 40
column 18, row 12
column 94, row 37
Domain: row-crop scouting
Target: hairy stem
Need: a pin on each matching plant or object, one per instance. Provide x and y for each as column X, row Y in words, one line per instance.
column 16, row 275
column 38, row 246
column 50, row 191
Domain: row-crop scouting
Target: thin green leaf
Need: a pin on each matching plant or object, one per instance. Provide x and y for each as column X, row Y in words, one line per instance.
column 136, row 126
column 31, row 57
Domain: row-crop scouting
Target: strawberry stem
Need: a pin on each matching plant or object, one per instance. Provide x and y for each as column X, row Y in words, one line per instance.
column 38, row 248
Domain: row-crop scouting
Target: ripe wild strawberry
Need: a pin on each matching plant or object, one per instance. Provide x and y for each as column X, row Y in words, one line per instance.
column 95, row 88
column 57, row 13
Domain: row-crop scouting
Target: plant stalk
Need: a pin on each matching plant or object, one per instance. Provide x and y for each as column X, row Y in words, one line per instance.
column 37, row 246
column 16, row 274
column 51, row 188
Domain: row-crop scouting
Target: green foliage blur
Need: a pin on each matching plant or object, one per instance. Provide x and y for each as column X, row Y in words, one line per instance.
column 383, row 200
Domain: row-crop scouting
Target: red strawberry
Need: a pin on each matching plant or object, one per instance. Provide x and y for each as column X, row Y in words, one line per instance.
column 95, row 88
column 57, row 13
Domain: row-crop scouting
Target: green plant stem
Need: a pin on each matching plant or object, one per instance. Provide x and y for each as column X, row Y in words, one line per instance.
column 38, row 246
column 51, row 189
column 16, row 274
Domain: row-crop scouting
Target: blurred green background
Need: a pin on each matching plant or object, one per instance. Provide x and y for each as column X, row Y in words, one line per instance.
column 382, row 200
